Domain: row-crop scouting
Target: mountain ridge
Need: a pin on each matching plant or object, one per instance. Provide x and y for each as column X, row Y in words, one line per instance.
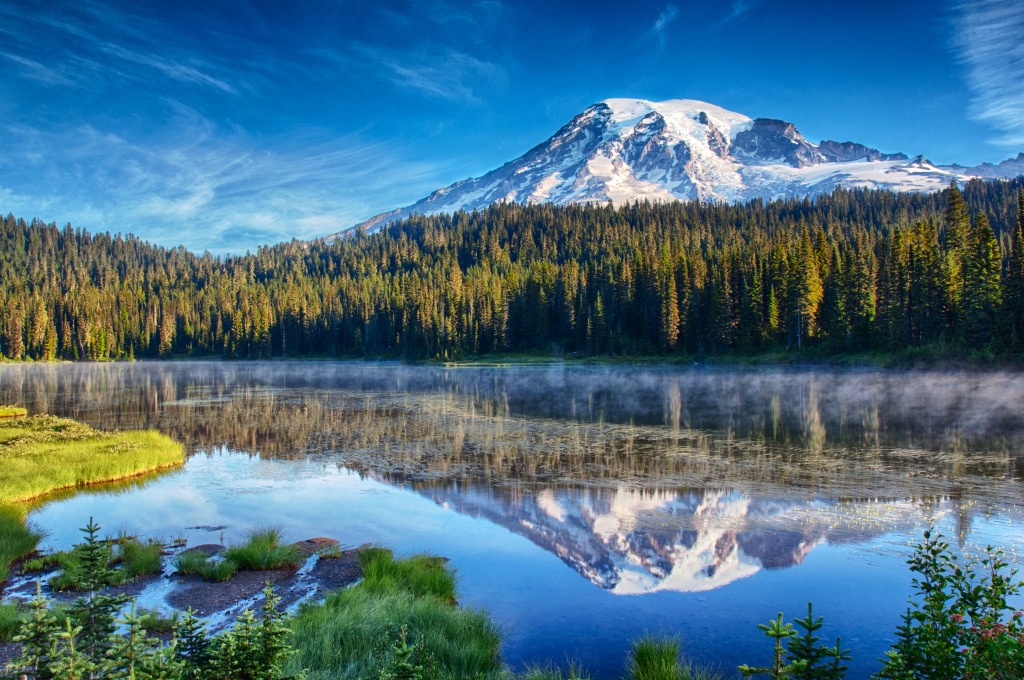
column 624, row 150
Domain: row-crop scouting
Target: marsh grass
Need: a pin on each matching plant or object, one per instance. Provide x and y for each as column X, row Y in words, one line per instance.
column 17, row 539
column 550, row 672
column 42, row 454
column 264, row 549
column 10, row 619
column 137, row 558
column 12, row 411
column 42, row 563
column 338, row 639
column 420, row 575
column 195, row 563
column 190, row 563
column 654, row 657
column 127, row 557
column 155, row 621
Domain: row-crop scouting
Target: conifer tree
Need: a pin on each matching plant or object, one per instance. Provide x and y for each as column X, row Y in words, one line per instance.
column 984, row 297
column 95, row 613
column 1013, row 292
column 36, row 637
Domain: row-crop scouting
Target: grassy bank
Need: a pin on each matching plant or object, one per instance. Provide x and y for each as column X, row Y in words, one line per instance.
column 16, row 539
column 41, row 454
column 12, row 411
column 356, row 631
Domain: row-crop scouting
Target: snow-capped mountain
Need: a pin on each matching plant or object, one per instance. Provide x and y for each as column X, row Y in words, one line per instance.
column 624, row 150
column 630, row 541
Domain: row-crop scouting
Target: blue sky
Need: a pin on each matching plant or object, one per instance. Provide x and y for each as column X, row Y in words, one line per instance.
column 224, row 125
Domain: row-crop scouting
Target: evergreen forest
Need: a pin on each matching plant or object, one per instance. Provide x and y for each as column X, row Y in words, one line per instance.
column 849, row 272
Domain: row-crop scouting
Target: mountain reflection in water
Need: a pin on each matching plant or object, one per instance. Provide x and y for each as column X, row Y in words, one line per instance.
column 640, row 479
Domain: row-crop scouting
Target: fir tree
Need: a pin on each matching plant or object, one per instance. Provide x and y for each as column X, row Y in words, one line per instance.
column 36, row 637
column 1014, row 289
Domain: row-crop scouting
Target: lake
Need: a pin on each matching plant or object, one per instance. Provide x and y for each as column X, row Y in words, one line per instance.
column 582, row 506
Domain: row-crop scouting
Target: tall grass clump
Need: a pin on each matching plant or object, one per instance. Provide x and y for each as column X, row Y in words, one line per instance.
column 41, row 454
column 17, row 539
column 264, row 549
column 342, row 638
column 655, row 658
column 137, row 558
column 549, row 672
column 10, row 621
column 421, row 575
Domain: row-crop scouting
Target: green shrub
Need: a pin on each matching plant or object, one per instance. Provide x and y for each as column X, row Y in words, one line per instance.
column 959, row 624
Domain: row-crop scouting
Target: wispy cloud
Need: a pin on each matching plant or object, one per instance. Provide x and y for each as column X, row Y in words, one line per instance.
column 86, row 32
column 433, row 71
column 666, row 17
column 739, row 11
column 989, row 39
column 224, row 193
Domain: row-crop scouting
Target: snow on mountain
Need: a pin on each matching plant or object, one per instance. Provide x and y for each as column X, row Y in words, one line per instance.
column 623, row 150
column 630, row 541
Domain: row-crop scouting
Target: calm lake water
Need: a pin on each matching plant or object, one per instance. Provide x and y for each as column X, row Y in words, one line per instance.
column 581, row 506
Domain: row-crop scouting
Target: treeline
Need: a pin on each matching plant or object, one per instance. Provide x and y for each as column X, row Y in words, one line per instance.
column 855, row 270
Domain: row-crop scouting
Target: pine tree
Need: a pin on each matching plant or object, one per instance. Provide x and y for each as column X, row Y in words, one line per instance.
column 984, row 293
column 36, row 637
column 1013, row 290
column 95, row 613
column 957, row 246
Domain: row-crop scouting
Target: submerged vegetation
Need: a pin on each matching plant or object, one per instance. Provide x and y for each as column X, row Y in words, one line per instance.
column 853, row 272
column 41, row 454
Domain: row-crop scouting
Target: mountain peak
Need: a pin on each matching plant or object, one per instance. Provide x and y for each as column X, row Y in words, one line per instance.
column 624, row 150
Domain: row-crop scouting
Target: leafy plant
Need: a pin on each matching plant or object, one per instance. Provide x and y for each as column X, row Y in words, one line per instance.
column 959, row 624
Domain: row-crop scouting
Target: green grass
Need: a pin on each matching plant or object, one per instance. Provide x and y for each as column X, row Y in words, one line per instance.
column 337, row 639
column 155, row 621
column 190, row 563
column 17, row 539
column 139, row 559
column 264, row 549
column 10, row 620
column 420, row 575
column 195, row 563
column 127, row 557
column 42, row 563
column 12, row 412
column 658, row 658
column 549, row 672
column 41, row 454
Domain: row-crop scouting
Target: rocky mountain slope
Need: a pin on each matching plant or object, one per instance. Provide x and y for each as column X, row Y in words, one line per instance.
column 623, row 150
